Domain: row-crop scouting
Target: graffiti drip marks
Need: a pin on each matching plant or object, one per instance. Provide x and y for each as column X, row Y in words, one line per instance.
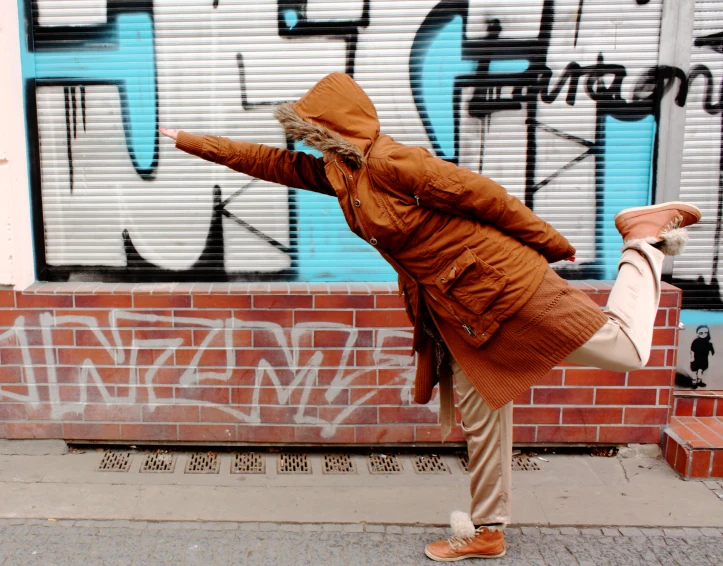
column 83, row 56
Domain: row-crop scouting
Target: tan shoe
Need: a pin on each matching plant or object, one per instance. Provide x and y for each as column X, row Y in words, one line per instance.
column 467, row 542
column 660, row 224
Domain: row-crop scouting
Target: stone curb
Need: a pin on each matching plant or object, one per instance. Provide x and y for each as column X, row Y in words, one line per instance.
column 399, row 530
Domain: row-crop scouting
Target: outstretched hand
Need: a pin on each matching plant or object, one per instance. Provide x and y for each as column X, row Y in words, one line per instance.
column 571, row 258
column 173, row 134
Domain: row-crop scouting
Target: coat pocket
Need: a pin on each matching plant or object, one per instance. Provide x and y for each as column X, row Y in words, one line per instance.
column 442, row 192
column 471, row 281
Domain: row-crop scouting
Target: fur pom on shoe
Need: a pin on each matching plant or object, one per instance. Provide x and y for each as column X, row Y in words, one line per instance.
column 674, row 241
column 462, row 525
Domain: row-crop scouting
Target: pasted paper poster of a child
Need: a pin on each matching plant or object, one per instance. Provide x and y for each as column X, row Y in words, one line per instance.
column 697, row 368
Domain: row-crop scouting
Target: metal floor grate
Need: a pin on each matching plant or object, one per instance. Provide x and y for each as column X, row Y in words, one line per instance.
column 522, row 463
column 384, row 464
column 338, row 464
column 294, row 464
column 159, row 462
column 203, row 463
column 115, row 462
column 248, row 463
column 429, row 464
column 463, row 458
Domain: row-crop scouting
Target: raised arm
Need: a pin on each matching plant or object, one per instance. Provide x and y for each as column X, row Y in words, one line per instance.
column 439, row 184
column 291, row 168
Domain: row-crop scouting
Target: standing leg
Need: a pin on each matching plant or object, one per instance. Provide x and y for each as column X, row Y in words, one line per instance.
column 489, row 444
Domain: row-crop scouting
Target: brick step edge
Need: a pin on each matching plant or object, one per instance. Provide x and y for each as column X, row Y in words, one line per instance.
column 697, row 403
column 692, row 463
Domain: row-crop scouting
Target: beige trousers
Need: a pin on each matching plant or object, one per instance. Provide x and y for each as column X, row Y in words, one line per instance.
column 622, row 344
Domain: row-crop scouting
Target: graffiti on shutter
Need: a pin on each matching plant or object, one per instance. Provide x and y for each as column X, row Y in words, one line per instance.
column 556, row 99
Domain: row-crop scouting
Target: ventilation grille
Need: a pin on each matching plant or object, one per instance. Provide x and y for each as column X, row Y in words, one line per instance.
column 159, row 462
column 338, row 464
column 463, row 458
column 203, row 463
column 522, row 463
column 384, row 464
column 248, row 463
column 115, row 462
column 430, row 464
column 294, row 464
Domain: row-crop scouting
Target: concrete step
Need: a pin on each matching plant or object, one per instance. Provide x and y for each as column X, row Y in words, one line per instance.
column 693, row 446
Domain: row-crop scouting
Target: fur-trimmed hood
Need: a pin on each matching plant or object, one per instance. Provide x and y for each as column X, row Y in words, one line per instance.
column 335, row 116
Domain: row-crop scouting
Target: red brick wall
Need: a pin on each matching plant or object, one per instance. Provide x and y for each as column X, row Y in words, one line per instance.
column 280, row 363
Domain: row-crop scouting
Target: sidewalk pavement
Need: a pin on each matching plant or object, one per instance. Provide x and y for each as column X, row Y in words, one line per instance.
column 626, row 510
column 566, row 490
column 128, row 543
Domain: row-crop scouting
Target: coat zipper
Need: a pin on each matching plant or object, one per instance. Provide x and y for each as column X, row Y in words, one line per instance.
column 468, row 329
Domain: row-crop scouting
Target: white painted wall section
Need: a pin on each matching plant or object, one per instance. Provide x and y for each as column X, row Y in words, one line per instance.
column 16, row 248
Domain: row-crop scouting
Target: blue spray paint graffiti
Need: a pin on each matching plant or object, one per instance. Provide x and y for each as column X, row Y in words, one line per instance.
column 435, row 65
column 125, row 58
column 626, row 162
column 323, row 237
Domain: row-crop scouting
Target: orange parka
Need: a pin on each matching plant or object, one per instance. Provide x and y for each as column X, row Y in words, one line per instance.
column 463, row 248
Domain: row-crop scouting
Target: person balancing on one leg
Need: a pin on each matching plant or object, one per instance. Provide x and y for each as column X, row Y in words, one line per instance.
column 472, row 260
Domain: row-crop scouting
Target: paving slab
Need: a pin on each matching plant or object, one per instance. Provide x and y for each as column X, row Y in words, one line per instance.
column 32, row 447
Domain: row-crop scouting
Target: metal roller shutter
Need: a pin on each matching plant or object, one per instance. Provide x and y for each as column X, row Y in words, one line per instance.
column 698, row 271
column 550, row 98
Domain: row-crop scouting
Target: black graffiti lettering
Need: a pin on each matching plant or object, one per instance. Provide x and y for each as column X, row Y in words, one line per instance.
column 245, row 104
column 605, row 81
column 702, row 71
column 572, row 73
column 210, row 264
column 293, row 22
column 658, row 81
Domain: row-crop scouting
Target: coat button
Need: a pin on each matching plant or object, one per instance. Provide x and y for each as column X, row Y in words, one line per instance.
column 373, row 241
column 357, row 203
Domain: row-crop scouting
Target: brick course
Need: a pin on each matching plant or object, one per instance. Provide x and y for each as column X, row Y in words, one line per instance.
column 279, row 363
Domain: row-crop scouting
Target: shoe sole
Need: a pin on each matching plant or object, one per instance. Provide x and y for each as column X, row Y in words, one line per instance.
column 678, row 205
column 465, row 557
